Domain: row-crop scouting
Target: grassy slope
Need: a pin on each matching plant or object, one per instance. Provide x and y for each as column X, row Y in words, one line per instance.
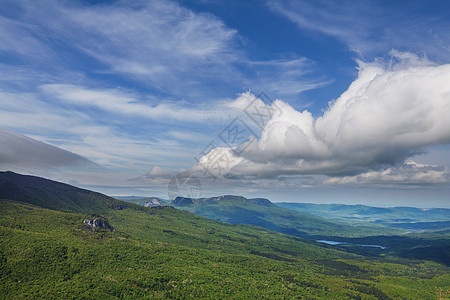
column 163, row 252
column 170, row 253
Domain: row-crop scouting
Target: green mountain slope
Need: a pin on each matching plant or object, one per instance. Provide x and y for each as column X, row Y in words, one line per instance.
column 163, row 252
column 262, row 212
column 52, row 254
column 54, row 195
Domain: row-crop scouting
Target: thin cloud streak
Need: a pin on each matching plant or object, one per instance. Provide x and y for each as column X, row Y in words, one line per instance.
column 123, row 103
column 370, row 29
column 410, row 173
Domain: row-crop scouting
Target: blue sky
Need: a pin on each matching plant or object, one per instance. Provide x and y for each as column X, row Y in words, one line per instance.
column 142, row 88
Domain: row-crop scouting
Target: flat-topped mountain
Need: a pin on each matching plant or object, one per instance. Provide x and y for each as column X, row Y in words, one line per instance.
column 183, row 201
column 262, row 212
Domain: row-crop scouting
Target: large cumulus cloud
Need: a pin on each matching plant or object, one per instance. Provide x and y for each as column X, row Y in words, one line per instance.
column 389, row 113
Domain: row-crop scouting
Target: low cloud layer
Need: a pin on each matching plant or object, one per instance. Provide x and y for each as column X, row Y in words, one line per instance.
column 21, row 152
column 410, row 173
column 392, row 111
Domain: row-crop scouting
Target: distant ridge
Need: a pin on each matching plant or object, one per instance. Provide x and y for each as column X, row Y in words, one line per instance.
column 262, row 212
column 398, row 217
column 144, row 201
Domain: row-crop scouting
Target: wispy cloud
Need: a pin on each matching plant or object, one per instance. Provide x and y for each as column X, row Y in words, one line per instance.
column 372, row 29
column 163, row 47
column 159, row 43
column 120, row 102
column 283, row 77
column 163, row 44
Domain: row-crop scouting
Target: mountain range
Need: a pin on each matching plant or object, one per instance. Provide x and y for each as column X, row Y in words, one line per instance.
column 426, row 240
column 262, row 212
column 399, row 217
column 60, row 242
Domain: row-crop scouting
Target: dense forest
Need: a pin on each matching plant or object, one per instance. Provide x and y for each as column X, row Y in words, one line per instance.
column 163, row 252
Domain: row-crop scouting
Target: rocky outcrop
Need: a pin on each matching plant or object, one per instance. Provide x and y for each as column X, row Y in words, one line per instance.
column 98, row 223
column 152, row 202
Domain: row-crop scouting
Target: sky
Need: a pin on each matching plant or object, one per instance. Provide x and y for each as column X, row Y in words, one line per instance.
column 299, row 101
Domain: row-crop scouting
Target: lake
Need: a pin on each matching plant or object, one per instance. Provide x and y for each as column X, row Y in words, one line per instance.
column 345, row 243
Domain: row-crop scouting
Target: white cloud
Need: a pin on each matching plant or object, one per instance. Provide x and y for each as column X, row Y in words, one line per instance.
column 410, row 173
column 390, row 112
column 188, row 136
column 158, row 40
column 119, row 102
column 157, row 171
column 157, row 175
column 20, row 152
column 31, row 112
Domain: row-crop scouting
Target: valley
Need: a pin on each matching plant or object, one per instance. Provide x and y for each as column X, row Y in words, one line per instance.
column 47, row 251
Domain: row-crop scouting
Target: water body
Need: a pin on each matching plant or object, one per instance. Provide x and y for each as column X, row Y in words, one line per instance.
column 344, row 243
